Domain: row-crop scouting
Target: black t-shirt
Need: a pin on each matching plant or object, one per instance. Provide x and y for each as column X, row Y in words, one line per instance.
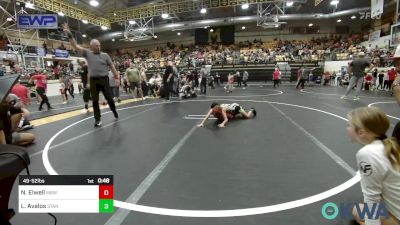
column 84, row 72
column 168, row 71
column 381, row 75
column 375, row 74
column 5, row 123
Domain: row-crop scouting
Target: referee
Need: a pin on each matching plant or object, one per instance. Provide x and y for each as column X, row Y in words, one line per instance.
column 98, row 66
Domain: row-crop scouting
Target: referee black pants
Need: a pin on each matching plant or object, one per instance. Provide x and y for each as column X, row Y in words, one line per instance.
column 42, row 93
column 102, row 84
column 203, row 86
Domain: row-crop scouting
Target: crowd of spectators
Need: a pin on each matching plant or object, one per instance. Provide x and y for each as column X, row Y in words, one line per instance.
column 257, row 51
column 320, row 49
column 150, row 59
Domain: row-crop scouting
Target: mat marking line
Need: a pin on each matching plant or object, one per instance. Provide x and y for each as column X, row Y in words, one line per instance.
column 120, row 215
column 323, row 147
column 94, row 130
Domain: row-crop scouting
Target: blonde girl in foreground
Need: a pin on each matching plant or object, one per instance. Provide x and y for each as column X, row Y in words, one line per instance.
column 378, row 161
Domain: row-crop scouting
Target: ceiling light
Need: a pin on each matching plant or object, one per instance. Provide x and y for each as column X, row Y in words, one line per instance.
column 113, row 39
column 179, row 33
column 203, row 10
column 242, row 18
column 131, row 39
column 104, row 28
column 207, row 22
column 164, row 15
column 173, row 25
column 84, row 35
column 132, row 22
column 9, row 19
column 243, row 27
column 84, row 21
column 339, row 20
column 289, row 4
column 334, row 2
column 155, row 36
column 211, row 30
column 310, row 25
column 60, row 13
column 29, row 5
column 277, row 25
column 94, row 3
column 115, row 14
column 245, row 6
column 353, row 17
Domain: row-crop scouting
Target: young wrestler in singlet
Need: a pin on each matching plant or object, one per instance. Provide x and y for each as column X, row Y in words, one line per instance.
column 225, row 112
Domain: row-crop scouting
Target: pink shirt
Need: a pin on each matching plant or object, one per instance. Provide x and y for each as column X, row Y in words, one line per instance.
column 276, row 75
column 22, row 92
column 392, row 74
column 41, row 80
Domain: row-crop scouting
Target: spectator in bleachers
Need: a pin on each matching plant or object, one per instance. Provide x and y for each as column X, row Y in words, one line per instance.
column 44, row 45
column 62, row 47
column 250, row 52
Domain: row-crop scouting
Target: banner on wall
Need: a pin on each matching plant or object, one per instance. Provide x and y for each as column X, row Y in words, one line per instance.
column 373, row 36
column 37, row 21
column 376, row 8
column 223, row 35
column 395, row 35
column 40, row 51
column 398, row 12
column 61, row 53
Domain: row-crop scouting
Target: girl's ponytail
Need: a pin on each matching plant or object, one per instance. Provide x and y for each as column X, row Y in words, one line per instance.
column 392, row 151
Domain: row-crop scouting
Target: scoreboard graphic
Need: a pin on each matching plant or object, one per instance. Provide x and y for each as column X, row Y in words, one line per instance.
column 66, row 194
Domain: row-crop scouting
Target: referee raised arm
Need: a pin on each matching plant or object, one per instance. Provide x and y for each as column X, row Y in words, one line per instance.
column 98, row 66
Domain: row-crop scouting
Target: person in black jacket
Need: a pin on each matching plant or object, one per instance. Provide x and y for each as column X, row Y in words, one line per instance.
column 168, row 80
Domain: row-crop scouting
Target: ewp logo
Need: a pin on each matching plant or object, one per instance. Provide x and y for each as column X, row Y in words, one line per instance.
column 331, row 211
column 37, row 21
